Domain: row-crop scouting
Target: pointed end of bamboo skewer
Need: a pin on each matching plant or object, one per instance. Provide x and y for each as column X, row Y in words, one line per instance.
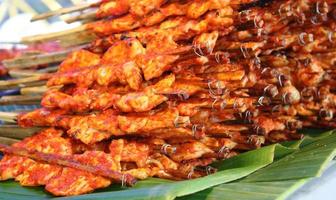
column 17, row 132
column 21, row 99
column 4, row 84
column 62, row 11
column 43, row 16
column 9, row 117
column 34, row 90
column 23, row 73
column 81, row 17
column 55, row 35
column 8, row 141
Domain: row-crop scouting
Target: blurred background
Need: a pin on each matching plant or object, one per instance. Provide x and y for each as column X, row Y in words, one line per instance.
column 15, row 23
column 15, row 18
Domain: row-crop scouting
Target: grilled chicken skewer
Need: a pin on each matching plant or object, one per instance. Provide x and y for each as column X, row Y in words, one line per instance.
column 173, row 87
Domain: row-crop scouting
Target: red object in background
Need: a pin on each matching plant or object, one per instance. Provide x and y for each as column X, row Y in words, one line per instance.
column 14, row 52
column 44, row 47
column 6, row 54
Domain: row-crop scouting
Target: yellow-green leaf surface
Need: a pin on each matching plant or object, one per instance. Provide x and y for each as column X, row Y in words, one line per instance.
column 230, row 170
column 259, row 167
column 309, row 161
column 249, row 191
column 279, row 179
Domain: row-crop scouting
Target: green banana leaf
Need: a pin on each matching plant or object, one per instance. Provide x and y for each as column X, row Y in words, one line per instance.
column 281, row 178
column 271, row 172
column 249, row 191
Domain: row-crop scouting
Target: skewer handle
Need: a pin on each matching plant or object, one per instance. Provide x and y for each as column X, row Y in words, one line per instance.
column 8, row 141
column 8, row 117
column 34, row 90
column 5, row 84
column 23, row 73
column 63, row 11
column 20, row 99
column 16, row 132
column 81, row 17
column 35, row 60
column 69, row 162
column 61, row 35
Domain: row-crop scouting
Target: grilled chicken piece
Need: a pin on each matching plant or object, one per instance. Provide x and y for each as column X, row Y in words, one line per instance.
column 44, row 117
column 192, row 10
column 79, row 59
column 129, row 73
column 98, row 158
column 37, row 174
column 164, row 7
column 96, row 127
column 190, row 151
column 123, row 51
column 130, row 151
column 75, row 182
column 27, row 171
column 12, row 166
column 61, row 181
column 82, row 100
column 134, row 7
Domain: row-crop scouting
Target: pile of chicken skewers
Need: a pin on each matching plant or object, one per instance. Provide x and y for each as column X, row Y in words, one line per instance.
column 173, row 86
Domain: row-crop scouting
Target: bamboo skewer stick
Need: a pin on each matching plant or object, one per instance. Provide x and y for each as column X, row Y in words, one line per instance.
column 14, row 82
column 18, row 73
column 68, row 162
column 9, row 117
column 23, row 73
column 34, row 90
column 63, row 11
column 8, row 141
column 23, row 85
column 81, row 17
column 16, row 132
column 79, row 38
column 61, row 35
column 48, row 69
column 84, row 29
column 214, row 103
column 21, row 103
column 29, row 61
column 20, row 99
column 34, row 60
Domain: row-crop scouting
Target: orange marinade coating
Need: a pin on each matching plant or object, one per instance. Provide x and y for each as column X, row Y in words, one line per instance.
column 98, row 158
column 37, row 174
column 97, row 100
column 136, row 124
column 79, row 59
column 12, row 166
column 135, row 7
column 29, row 172
column 126, row 74
column 112, row 8
column 123, row 51
column 83, row 99
column 60, row 181
column 94, row 128
column 130, row 151
column 75, row 182
column 47, row 141
column 124, row 62
column 43, row 117
column 191, row 10
column 189, row 151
